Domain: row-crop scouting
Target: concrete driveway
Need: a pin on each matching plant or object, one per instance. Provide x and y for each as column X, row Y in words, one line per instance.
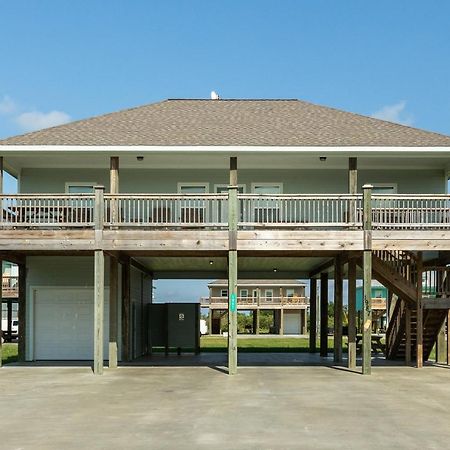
column 201, row 407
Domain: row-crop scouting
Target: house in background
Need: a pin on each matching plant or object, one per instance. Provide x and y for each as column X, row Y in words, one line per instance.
column 10, row 293
column 286, row 299
column 379, row 302
column 222, row 189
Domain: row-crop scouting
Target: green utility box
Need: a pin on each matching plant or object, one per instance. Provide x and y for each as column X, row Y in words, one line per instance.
column 174, row 326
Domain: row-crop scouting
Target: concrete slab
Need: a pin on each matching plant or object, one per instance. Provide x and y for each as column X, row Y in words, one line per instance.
column 200, row 407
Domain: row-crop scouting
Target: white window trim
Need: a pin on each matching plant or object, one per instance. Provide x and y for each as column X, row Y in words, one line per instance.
column 290, row 289
column 383, row 185
column 194, row 183
column 266, row 291
column 79, row 183
column 222, row 291
column 216, row 186
column 280, row 185
column 243, row 290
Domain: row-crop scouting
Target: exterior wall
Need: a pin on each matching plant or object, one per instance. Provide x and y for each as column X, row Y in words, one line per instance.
column 309, row 181
column 59, row 271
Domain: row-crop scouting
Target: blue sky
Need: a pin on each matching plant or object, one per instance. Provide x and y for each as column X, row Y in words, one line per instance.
column 63, row 60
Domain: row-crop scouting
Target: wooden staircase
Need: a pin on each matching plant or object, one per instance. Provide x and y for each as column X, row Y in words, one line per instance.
column 398, row 271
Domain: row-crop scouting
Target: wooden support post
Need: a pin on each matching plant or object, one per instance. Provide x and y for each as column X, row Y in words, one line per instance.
column 22, row 311
column 352, row 187
column 1, row 267
column 352, row 313
column 232, row 267
column 407, row 334
column 441, row 346
column 367, row 282
column 9, row 319
column 114, row 186
column 312, row 315
column 99, row 280
column 210, row 320
column 419, row 332
column 281, row 315
column 257, row 320
column 99, row 301
column 448, row 337
column 338, row 309
column 126, row 310
column 324, row 314
column 113, row 294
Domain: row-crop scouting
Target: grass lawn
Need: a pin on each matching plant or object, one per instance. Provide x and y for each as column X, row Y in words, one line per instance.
column 9, row 353
column 259, row 344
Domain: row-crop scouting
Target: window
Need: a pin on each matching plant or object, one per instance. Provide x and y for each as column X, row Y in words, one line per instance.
column 193, row 210
column 255, row 293
column 384, row 188
column 244, row 293
column 290, row 292
column 268, row 293
column 80, row 187
column 193, row 188
column 267, row 210
column 224, row 292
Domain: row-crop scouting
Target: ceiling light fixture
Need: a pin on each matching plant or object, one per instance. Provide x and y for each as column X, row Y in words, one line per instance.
column 323, row 158
column 140, row 158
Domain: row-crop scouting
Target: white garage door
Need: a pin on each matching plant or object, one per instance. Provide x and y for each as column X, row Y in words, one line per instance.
column 292, row 323
column 64, row 323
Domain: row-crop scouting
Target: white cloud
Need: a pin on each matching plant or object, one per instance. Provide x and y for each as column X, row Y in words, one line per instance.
column 7, row 105
column 30, row 120
column 36, row 120
column 394, row 113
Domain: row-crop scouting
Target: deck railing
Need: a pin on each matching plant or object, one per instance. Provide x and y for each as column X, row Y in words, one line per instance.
column 255, row 301
column 166, row 210
column 411, row 211
column 436, row 282
column 47, row 210
column 315, row 211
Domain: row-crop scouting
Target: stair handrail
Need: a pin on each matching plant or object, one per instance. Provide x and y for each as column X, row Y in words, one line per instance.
column 402, row 261
column 394, row 326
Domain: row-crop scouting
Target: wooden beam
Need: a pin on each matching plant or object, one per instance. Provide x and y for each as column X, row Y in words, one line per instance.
column 441, row 346
column 114, row 175
column 324, row 314
column 22, row 312
column 312, row 315
column 99, row 301
column 338, row 309
column 352, row 313
column 419, row 331
column 113, row 296
column 232, row 267
column 448, row 337
column 323, row 267
column 352, row 186
column 407, row 334
column 126, row 310
column 367, row 282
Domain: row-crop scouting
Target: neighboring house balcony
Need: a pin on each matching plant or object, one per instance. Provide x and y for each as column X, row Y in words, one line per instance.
column 10, row 286
column 332, row 222
column 261, row 302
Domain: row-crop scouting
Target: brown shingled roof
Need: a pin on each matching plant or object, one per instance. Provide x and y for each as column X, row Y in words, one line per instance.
column 232, row 122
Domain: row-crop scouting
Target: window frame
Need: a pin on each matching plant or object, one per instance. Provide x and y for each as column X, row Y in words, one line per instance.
column 180, row 184
column 92, row 184
column 394, row 186
column 275, row 183
column 222, row 291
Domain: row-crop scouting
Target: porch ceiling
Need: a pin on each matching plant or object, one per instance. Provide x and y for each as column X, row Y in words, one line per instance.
column 249, row 267
column 269, row 158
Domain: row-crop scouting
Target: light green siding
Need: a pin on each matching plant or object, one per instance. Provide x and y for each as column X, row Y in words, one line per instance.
column 294, row 181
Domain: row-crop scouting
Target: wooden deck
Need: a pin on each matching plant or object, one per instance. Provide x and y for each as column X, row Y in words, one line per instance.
column 160, row 223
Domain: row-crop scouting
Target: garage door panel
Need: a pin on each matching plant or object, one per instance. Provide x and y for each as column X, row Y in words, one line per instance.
column 64, row 323
column 292, row 322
